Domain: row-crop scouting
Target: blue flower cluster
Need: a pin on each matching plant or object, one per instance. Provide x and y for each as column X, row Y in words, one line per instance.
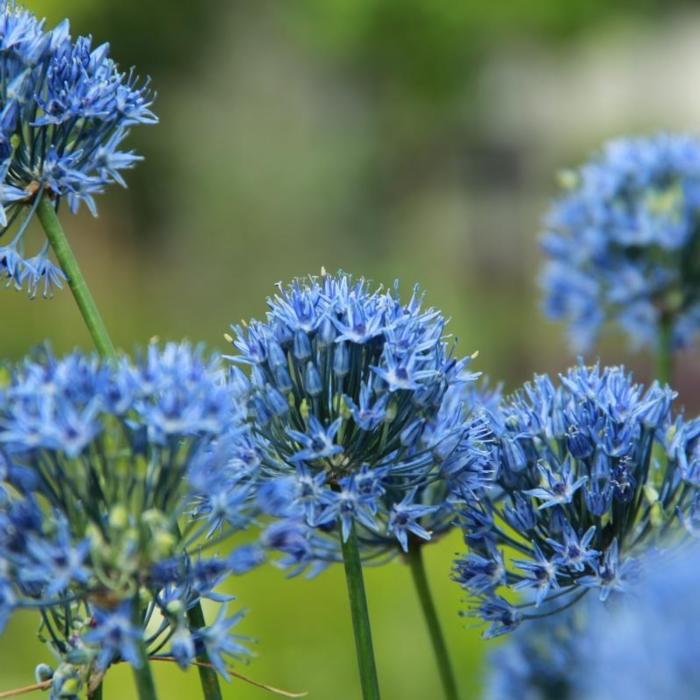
column 362, row 417
column 539, row 661
column 622, row 243
column 648, row 649
column 591, row 471
column 65, row 109
column 116, row 481
column 642, row 646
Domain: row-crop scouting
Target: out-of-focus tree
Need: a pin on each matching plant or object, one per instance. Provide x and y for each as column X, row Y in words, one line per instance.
column 160, row 36
column 423, row 47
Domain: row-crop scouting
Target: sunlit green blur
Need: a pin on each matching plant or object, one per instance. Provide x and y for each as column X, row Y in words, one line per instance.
column 390, row 138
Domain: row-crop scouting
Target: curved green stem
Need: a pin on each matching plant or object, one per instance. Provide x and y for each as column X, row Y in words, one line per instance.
column 360, row 617
column 81, row 293
column 420, row 580
column 664, row 354
column 66, row 259
column 208, row 677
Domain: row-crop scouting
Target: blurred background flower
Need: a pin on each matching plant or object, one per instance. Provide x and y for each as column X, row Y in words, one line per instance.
column 388, row 138
column 621, row 244
column 644, row 649
column 538, row 662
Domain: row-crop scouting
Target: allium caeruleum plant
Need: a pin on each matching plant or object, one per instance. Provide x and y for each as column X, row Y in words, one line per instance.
column 592, row 470
column 539, row 661
column 623, row 243
column 113, row 475
column 66, row 108
column 641, row 646
column 648, row 648
column 359, row 407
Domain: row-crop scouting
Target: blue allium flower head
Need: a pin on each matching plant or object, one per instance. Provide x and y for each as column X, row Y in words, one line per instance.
column 118, row 479
column 361, row 411
column 539, row 661
column 65, row 109
column 591, row 470
column 648, row 648
column 622, row 243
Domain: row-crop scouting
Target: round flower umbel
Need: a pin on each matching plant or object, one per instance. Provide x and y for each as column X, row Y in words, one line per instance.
column 539, row 661
column 590, row 472
column 65, row 109
column 359, row 407
column 623, row 243
column 116, row 479
column 648, row 649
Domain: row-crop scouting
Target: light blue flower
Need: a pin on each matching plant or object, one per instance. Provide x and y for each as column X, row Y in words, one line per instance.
column 591, row 471
column 540, row 661
column 541, row 575
column 116, row 636
column 362, row 412
column 220, row 642
column 113, row 476
column 559, row 488
column 182, row 646
column 66, row 109
column 610, row 575
column 621, row 243
column 405, row 520
column 645, row 647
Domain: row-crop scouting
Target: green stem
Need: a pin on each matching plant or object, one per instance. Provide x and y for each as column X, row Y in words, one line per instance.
column 66, row 259
column 95, row 325
column 144, row 678
column 664, row 354
column 207, row 675
column 420, row 580
column 81, row 293
column 360, row 617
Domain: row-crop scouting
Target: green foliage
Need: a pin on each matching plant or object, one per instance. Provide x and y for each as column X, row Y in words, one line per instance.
column 429, row 47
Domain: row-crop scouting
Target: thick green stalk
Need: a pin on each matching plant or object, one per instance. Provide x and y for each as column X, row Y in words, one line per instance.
column 208, row 678
column 66, row 259
column 360, row 617
column 420, row 580
column 664, row 353
column 143, row 677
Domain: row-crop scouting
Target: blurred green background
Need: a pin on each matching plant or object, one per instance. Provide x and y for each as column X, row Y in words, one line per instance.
column 391, row 138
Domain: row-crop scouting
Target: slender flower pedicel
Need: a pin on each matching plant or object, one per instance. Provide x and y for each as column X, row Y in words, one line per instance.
column 622, row 245
column 591, row 472
column 118, row 479
column 359, row 408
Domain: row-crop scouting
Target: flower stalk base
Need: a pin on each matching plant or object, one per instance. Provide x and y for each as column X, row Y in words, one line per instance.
column 360, row 617
column 420, row 580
